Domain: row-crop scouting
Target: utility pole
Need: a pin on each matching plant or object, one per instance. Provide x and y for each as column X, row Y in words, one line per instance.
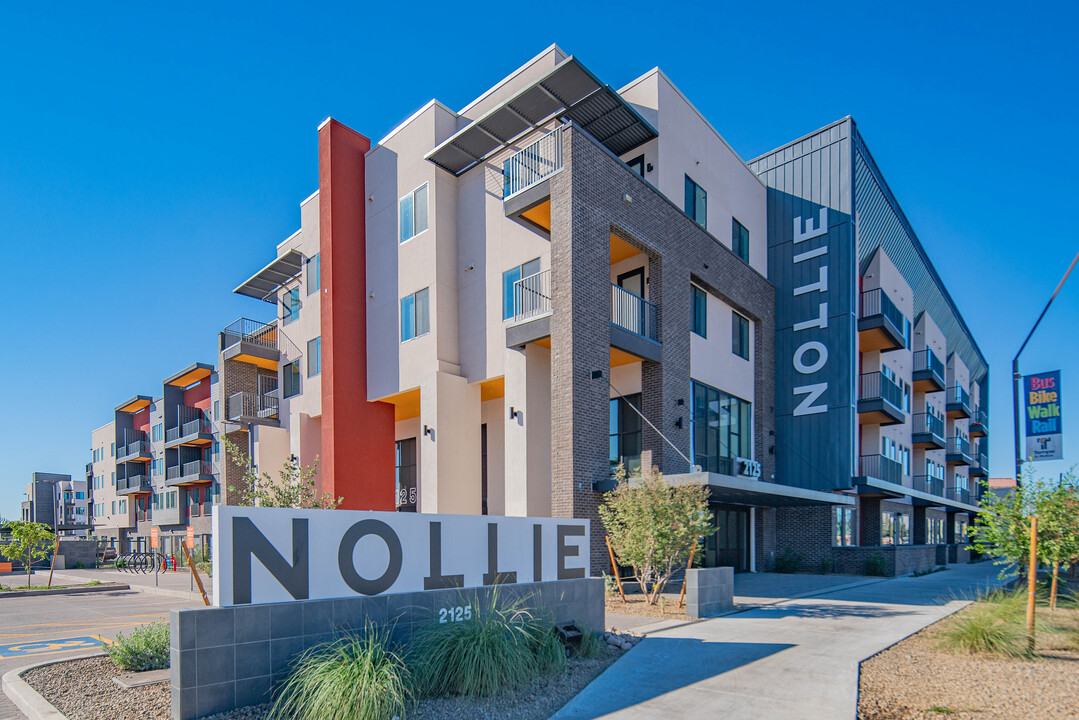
column 1017, row 376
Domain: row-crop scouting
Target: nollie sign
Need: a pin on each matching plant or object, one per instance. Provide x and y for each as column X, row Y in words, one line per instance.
column 264, row 555
column 1044, row 429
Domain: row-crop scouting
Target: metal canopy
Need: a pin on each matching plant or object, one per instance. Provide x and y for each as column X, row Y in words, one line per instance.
column 264, row 284
column 569, row 92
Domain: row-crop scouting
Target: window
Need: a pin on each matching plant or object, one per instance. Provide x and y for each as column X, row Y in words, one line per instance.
column 217, row 409
column 113, row 508
column 719, row 429
column 314, row 357
column 405, row 483
column 216, row 447
column 739, row 239
column 157, row 466
column 290, row 379
column 414, row 213
column 528, row 269
column 415, row 315
column 114, row 478
column 907, row 335
column 960, row 530
column 123, row 506
column 112, row 450
column 740, row 336
column 290, row 306
column 844, row 527
column 935, row 530
column 157, row 432
column 700, row 312
column 314, row 282
column 637, row 165
column 696, row 202
column 625, row 433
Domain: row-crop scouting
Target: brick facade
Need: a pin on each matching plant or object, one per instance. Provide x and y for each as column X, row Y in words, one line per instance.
column 806, row 530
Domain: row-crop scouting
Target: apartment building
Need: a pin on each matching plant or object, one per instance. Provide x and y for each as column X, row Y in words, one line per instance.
column 59, row 502
column 882, row 391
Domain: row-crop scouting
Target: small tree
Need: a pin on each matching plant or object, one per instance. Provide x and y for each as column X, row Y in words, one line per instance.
column 1058, row 528
column 30, row 541
column 295, row 488
column 653, row 524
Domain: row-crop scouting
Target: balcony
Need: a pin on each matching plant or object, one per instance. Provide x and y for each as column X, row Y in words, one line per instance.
column 958, row 451
column 957, row 404
column 136, row 449
column 880, row 325
column 880, row 401
column 532, row 297
column 532, row 165
column 252, row 342
column 927, row 432
column 980, row 466
column 979, row 423
column 193, row 427
column 928, row 373
column 881, row 468
column 959, row 494
column 251, row 407
column 133, row 484
column 196, row 471
column 633, row 313
column 929, row 484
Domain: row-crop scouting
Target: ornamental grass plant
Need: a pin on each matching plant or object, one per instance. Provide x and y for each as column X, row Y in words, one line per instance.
column 146, row 648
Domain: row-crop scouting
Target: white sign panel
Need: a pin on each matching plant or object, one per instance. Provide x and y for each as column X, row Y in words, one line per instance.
column 264, row 555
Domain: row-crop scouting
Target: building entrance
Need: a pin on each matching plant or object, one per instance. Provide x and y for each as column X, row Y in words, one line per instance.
column 729, row 546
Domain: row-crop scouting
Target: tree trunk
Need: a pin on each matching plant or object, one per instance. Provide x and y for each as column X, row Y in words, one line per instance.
column 1053, row 591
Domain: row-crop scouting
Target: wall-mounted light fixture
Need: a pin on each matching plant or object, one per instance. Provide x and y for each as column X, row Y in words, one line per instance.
column 429, row 431
column 678, row 423
column 597, row 374
column 515, row 413
column 627, row 199
column 648, row 167
column 680, row 402
column 470, row 268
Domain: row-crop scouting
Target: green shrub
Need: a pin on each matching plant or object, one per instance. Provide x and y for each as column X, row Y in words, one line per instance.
column 497, row 648
column 146, row 648
column 986, row 628
column 875, row 564
column 610, row 585
column 788, row 561
column 548, row 647
column 826, row 565
column 590, row 647
column 357, row 677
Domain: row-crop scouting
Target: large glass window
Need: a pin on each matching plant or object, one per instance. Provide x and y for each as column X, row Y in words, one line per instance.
column 414, row 213
column 314, row 357
column 510, row 277
column 700, row 312
column 696, row 202
column 935, row 530
column 157, row 432
column 290, row 378
column 740, row 336
column 720, row 429
column 290, row 306
column 415, row 315
column 844, row 526
column 406, row 487
column 739, row 239
column 894, row 528
column 314, row 281
column 625, row 433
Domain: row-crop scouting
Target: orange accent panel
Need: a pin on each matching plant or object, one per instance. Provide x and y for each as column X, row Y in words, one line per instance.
column 357, row 462
column 135, row 406
column 621, row 250
column 192, row 377
column 621, row 357
column 261, row 362
column 544, row 342
column 540, row 215
column 492, row 389
column 406, row 405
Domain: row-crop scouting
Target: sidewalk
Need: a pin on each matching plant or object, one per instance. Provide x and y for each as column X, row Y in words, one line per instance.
column 170, row 584
column 792, row 659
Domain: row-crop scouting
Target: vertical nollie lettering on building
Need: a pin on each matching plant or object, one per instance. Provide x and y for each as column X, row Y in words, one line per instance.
column 347, row 549
column 565, row 551
column 811, row 356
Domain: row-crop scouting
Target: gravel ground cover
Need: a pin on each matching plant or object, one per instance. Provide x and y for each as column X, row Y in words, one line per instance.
column 84, row 690
column 636, row 605
column 916, row 680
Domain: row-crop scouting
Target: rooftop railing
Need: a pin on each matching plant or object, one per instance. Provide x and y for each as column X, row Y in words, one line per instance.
column 250, row 331
column 533, row 164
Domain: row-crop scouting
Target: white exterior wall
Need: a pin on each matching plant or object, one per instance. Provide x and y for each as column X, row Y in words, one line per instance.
column 711, row 360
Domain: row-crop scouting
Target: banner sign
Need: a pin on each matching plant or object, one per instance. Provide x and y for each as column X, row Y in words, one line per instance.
column 1044, row 438
column 264, row 555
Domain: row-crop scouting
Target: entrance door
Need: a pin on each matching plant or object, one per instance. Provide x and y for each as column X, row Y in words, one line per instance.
column 729, row 546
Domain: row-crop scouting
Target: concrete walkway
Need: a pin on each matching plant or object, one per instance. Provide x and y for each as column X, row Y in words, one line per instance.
column 179, row 585
column 792, row 659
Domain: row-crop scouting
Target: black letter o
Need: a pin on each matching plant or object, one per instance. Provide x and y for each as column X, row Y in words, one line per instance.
column 348, row 546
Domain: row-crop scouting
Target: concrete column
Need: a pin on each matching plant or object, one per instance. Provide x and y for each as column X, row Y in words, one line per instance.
column 449, row 454
column 528, row 433
column 869, row 521
column 949, row 527
column 918, row 525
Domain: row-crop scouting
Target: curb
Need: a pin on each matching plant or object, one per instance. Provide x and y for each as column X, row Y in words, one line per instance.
column 28, row 700
column 104, row 587
column 151, row 590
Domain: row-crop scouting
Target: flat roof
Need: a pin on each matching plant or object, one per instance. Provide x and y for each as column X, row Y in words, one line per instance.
column 135, row 404
column 264, row 284
column 190, row 374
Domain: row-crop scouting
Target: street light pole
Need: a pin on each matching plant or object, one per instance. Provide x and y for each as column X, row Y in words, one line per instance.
column 1017, row 377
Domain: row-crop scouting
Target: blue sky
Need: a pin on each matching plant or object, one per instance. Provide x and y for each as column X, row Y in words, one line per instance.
column 151, row 156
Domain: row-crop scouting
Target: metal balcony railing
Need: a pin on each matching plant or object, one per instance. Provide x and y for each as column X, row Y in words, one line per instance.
column 875, row 386
column 928, row 423
column 929, row 484
column 172, row 472
column 133, row 448
column 196, row 468
column 533, row 164
column 133, row 483
column 532, row 296
column 876, row 302
column 959, row 494
column 959, row 445
column 250, row 331
column 979, row 417
column 251, row 405
column 633, row 313
column 881, row 468
column 958, row 396
column 926, row 360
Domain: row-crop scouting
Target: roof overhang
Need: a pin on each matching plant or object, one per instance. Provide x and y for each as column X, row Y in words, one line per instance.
column 882, row 488
column 568, row 93
column 135, row 404
column 264, row 284
column 190, row 375
column 749, row 491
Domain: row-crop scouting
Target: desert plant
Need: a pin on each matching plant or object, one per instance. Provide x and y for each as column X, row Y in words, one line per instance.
column 548, row 648
column 875, row 564
column 358, row 677
column 296, row 487
column 30, row 541
column 986, row 628
column 590, row 646
column 492, row 650
column 146, row 648
column 788, row 561
column 653, row 525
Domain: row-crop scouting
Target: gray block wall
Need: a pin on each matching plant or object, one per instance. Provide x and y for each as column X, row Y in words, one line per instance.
column 224, row 658
column 709, row 592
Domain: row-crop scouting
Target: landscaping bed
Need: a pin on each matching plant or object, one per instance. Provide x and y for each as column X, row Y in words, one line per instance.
column 920, row 678
column 636, row 604
column 84, row 690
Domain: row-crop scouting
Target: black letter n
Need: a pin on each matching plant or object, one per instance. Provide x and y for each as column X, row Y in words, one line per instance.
column 248, row 541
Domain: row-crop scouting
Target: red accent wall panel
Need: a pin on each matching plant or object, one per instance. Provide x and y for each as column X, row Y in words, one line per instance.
column 357, row 436
column 198, row 396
